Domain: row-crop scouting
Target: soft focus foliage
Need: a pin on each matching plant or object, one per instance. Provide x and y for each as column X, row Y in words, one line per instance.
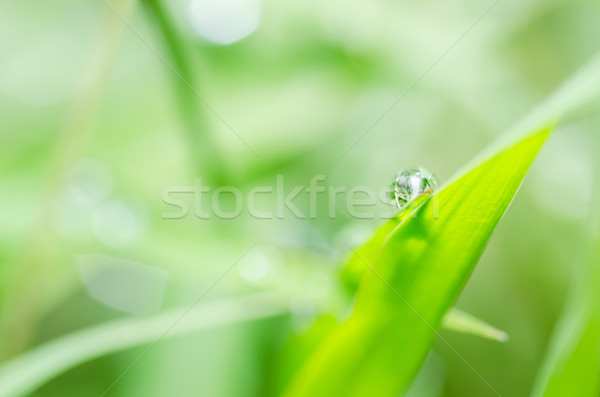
column 105, row 106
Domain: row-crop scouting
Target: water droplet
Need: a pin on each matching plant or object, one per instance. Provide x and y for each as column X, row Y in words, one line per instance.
column 411, row 183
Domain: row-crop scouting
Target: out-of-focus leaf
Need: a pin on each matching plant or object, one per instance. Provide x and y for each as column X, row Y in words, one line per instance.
column 414, row 280
column 30, row 370
column 459, row 321
column 572, row 364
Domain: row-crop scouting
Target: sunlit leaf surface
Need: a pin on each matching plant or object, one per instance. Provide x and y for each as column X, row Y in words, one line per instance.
column 413, row 280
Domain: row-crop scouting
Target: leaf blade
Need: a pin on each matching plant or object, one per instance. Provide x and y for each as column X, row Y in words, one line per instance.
column 425, row 263
column 572, row 362
column 459, row 321
column 27, row 372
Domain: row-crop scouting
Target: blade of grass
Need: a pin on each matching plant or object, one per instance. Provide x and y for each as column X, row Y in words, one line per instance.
column 413, row 281
column 459, row 321
column 455, row 320
column 354, row 270
column 204, row 153
column 30, row 370
column 576, row 96
column 572, row 364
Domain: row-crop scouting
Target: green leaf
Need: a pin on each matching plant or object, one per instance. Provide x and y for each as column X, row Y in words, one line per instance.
column 414, row 280
column 455, row 320
column 30, row 370
column 572, row 364
column 459, row 321
column 355, row 269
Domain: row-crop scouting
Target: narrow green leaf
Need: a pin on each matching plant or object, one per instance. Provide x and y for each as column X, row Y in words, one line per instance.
column 459, row 321
column 30, row 370
column 413, row 281
column 455, row 320
column 355, row 269
column 572, row 364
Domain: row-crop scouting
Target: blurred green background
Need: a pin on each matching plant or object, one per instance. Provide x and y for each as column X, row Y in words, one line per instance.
column 105, row 106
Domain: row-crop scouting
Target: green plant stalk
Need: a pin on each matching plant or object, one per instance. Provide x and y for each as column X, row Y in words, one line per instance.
column 204, row 153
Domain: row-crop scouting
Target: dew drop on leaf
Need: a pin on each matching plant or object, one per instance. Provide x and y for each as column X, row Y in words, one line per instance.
column 411, row 183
